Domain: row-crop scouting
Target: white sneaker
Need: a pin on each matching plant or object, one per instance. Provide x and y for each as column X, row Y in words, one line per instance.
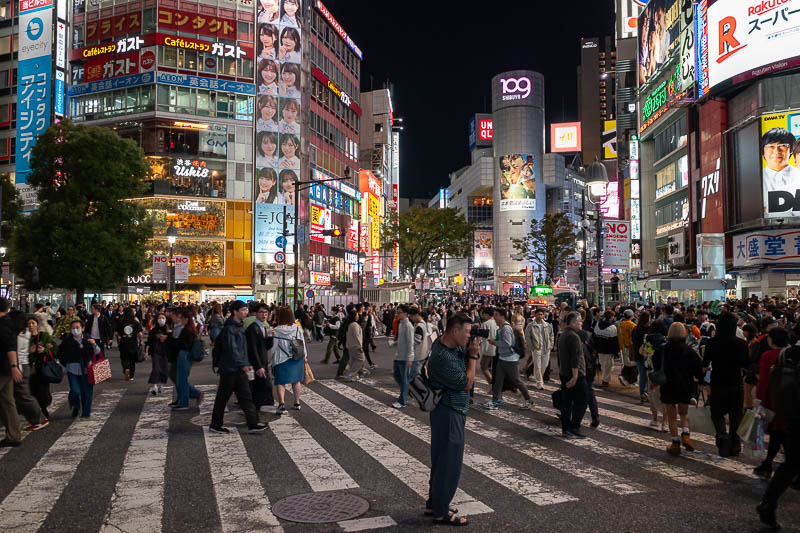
column 398, row 405
column 153, row 390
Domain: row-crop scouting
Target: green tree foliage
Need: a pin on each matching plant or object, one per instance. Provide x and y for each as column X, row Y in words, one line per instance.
column 12, row 206
column 83, row 235
column 548, row 244
column 425, row 234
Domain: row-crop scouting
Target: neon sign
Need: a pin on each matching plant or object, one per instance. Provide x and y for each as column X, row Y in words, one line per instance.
column 520, row 85
column 338, row 29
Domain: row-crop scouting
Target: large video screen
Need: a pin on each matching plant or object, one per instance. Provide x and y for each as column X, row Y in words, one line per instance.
column 780, row 163
column 517, row 182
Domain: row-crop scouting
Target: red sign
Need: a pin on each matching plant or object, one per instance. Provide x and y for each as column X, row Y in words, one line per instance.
column 213, row 26
column 27, row 5
column 97, row 30
column 709, row 205
column 147, row 60
column 485, row 129
column 352, row 235
column 107, row 67
column 367, row 182
column 336, row 90
column 320, row 278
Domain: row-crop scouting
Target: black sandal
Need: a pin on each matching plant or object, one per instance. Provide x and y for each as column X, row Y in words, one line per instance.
column 429, row 512
column 451, row 520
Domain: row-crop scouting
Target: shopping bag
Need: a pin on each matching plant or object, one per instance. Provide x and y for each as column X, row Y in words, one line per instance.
column 700, row 420
column 99, row 371
column 747, row 429
column 140, row 353
column 308, row 375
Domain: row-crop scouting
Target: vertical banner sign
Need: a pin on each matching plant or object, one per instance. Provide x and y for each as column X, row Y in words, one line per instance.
column 33, row 88
column 160, row 268
column 617, row 242
column 483, row 244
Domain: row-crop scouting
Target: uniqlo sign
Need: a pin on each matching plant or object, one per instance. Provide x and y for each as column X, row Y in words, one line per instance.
column 485, row 129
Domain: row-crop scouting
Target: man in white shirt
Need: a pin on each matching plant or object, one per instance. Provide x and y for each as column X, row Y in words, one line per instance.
column 779, row 175
column 488, row 351
column 539, row 335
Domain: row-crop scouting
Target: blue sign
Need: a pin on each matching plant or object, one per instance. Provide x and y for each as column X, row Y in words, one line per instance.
column 269, row 227
column 186, row 80
column 109, row 85
column 60, row 101
column 280, row 242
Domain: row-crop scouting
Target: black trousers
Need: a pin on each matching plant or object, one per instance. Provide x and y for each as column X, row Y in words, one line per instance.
column 128, row 358
column 727, row 401
column 790, row 469
column 573, row 404
column 367, row 342
column 343, row 362
column 234, row 383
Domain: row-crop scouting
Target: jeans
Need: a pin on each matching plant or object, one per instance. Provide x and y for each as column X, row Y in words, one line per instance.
column 402, row 379
column 80, row 393
column 643, row 389
column 591, row 398
column 447, row 456
column 414, row 370
column 229, row 383
column 573, row 404
column 185, row 389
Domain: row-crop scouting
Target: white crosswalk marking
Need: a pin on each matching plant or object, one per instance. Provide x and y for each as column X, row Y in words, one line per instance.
column 404, row 467
column 137, row 502
column 59, row 399
column 27, row 506
column 502, row 474
column 320, row 470
column 676, row 473
column 592, row 475
column 730, row 465
column 363, row 524
column 241, row 501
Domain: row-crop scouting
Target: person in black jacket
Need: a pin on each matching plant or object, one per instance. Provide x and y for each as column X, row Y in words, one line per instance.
column 259, row 342
column 157, row 350
column 75, row 353
column 681, row 366
column 727, row 355
column 637, row 336
column 128, row 335
column 98, row 327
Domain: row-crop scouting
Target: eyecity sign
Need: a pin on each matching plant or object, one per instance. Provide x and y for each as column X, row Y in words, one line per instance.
column 516, row 88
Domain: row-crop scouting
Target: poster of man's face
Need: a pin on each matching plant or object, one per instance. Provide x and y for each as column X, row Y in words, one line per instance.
column 780, row 159
column 659, row 28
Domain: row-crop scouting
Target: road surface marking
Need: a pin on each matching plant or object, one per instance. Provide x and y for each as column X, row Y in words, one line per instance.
column 59, row 399
column 27, row 506
column 404, row 467
column 363, row 524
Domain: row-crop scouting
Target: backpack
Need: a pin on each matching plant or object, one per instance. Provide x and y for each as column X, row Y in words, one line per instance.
column 297, row 348
column 422, row 391
column 216, row 352
column 198, row 351
column 785, row 385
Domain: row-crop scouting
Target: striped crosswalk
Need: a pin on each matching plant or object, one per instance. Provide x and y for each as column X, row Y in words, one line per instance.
column 511, row 457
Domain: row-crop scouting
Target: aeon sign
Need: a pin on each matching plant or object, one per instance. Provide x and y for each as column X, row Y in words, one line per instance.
column 516, row 88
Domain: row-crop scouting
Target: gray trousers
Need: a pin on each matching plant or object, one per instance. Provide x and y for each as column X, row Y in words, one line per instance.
column 508, row 369
column 447, row 455
column 27, row 405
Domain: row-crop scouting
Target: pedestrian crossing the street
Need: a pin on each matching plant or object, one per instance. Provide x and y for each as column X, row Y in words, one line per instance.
column 512, row 457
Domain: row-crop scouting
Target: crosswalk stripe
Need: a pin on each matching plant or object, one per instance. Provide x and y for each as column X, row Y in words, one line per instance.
column 501, row 473
column 59, row 399
column 722, row 463
column 320, row 470
column 591, row 474
column 242, row 504
column 609, row 401
column 676, row 473
column 27, row 506
column 404, row 467
column 363, row 524
column 137, row 503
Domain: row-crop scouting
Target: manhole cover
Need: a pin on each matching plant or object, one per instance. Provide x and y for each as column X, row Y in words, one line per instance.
column 320, row 507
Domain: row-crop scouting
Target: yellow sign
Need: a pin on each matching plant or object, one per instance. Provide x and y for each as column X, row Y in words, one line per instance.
column 375, row 229
column 316, row 214
column 374, row 206
column 609, row 139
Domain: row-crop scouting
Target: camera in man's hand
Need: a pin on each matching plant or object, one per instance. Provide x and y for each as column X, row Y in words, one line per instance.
column 477, row 331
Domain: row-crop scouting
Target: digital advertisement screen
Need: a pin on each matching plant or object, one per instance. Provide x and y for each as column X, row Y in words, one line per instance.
column 517, row 182
column 747, row 39
column 565, row 137
column 482, row 256
column 780, row 163
column 659, row 28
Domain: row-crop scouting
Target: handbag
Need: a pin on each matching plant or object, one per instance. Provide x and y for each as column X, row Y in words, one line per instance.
column 51, row 371
column 659, row 377
column 423, row 392
column 140, row 353
column 99, row 371
column 308, row 375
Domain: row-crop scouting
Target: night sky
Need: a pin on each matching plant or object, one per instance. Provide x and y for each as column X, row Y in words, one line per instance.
column 441, row 58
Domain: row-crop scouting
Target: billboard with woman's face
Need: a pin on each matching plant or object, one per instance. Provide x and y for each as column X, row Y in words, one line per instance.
column 517, row 182
column 780, row 163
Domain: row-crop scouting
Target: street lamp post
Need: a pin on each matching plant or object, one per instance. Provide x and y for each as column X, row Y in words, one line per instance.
column 596, row 181
column 422, row 289
column 172, row 235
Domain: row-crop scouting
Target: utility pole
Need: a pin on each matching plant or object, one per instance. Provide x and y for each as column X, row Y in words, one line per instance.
column 285, row 234
column 296, row 239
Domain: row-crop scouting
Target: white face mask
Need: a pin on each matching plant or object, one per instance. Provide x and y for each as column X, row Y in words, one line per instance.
column 162, row 321
column 77, row 332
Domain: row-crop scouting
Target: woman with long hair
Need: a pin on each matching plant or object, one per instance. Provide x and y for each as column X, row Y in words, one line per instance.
column 179, row 344
column 215, row 321
column 286, row 369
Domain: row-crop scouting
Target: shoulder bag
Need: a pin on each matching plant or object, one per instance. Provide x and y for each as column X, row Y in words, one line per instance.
column 659, row 377
column 51, row 371
column 297, row 348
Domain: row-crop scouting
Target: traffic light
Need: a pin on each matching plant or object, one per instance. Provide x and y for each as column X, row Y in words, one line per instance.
column 336, row 232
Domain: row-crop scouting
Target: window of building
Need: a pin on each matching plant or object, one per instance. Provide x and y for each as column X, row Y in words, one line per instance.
column 5, row 10
column 5, row 44
column 148, row 20
column 671, row 138
column 167, row 56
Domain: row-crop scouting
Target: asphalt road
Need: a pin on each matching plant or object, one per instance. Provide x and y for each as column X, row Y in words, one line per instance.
column 138, row 467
